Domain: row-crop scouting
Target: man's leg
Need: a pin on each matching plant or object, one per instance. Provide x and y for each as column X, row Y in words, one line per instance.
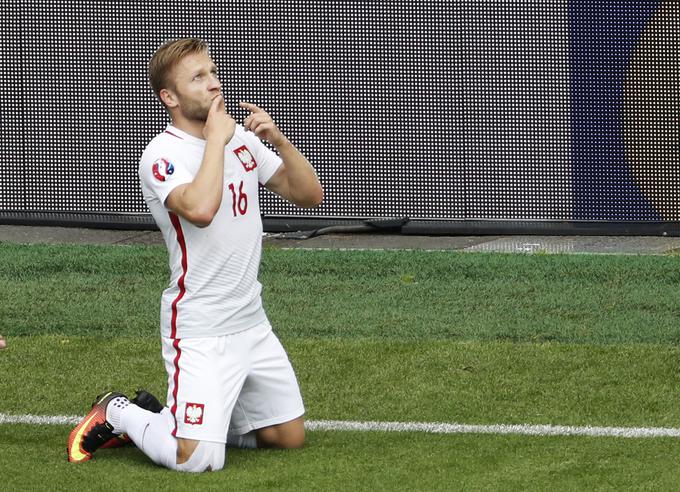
column 201, row 396
column 269, row 412
column 113, row 413
column 199, row 456
column 152, row 433
column 289, row 435
column 205, row 376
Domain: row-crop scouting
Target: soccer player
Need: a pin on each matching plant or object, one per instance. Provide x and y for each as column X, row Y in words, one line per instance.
column 229, row 379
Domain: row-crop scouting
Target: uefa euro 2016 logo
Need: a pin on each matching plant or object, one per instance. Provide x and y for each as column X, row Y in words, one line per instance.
column 162, row 169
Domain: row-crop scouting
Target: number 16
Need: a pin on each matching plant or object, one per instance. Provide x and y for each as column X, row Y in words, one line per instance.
column 239, row 204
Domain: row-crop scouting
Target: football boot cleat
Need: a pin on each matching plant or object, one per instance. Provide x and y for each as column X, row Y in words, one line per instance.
column 92, row 432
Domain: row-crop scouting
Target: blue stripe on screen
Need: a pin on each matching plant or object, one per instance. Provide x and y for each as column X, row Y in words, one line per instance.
column 603, row 36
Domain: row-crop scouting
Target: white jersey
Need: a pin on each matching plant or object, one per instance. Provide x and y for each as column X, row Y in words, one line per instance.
column 213, row 288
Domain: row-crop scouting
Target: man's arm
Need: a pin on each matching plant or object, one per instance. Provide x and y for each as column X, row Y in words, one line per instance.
column 296, row 180
column 199, row 201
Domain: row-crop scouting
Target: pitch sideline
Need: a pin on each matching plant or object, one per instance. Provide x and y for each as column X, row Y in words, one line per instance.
column 424, row 427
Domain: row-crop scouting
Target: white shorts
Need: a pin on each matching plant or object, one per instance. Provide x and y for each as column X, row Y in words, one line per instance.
column 232, row 383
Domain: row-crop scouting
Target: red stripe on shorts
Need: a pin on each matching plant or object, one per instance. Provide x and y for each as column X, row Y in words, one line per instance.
column 175, row 379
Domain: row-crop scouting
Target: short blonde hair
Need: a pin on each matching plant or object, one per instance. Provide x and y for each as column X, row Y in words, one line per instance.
column 167, row 56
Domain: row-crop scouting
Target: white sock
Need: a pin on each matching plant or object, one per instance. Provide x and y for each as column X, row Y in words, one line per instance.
column 113, row 411
column 152, row 433
column 246, row 441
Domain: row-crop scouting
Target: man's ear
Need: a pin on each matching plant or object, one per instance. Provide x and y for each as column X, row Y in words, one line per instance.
column 169, row 98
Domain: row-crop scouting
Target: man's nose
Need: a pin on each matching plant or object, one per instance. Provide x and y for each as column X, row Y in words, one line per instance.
column 214, row 83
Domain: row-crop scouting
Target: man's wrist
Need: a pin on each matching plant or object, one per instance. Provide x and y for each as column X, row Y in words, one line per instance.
column 283, row 144
column 215, row 140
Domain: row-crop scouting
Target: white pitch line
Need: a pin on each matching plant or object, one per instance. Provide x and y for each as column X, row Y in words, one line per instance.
column 519, row 429
column 39, row 419
column 425, row 427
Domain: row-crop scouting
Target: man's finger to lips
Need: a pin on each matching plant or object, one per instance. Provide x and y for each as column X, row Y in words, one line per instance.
column 216, row 103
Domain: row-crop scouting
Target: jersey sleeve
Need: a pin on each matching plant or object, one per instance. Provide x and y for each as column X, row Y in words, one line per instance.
column 160, row 174
column 268, row 162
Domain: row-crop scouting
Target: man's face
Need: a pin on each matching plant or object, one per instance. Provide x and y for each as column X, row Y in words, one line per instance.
column 196, row 85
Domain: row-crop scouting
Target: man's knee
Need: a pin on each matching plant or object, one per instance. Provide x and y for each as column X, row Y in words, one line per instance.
column 200, row 456
column 289, row 435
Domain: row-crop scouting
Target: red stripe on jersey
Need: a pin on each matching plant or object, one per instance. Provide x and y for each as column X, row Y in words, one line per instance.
column 166, row 131
column 173, row 332
column 180, row 283
column 175, row 379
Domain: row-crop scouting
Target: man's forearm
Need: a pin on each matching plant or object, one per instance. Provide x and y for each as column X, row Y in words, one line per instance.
column 200, row 200
column 302, row 179
column 204, row 193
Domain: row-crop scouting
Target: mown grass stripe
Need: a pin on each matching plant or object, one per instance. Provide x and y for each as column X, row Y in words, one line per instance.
column 424, row 427
column 397, row 295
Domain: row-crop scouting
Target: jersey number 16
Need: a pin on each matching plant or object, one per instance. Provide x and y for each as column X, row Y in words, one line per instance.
column 239, row 204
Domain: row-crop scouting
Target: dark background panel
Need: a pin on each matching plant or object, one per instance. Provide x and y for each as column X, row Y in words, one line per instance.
column 361, row 90
column 12, row 175
column 550, row 110
column 517, row 140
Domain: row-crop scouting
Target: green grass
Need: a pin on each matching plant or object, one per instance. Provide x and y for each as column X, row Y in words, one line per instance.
column 114, row 291
column 386, row 336
column 32, row 459
column 442, row 381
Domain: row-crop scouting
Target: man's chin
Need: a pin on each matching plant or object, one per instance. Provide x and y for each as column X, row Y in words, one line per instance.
column 198, row 116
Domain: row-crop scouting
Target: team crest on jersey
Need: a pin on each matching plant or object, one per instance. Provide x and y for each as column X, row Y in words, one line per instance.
column 246, row 158
column 162, row 169
column 194, row 413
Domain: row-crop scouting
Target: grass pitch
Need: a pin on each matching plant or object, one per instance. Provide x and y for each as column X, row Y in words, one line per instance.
column 375, row 335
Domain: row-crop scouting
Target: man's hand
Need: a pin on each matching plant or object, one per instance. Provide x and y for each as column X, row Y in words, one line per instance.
column 261, row 124
column 219, row 126
column 3, row 344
